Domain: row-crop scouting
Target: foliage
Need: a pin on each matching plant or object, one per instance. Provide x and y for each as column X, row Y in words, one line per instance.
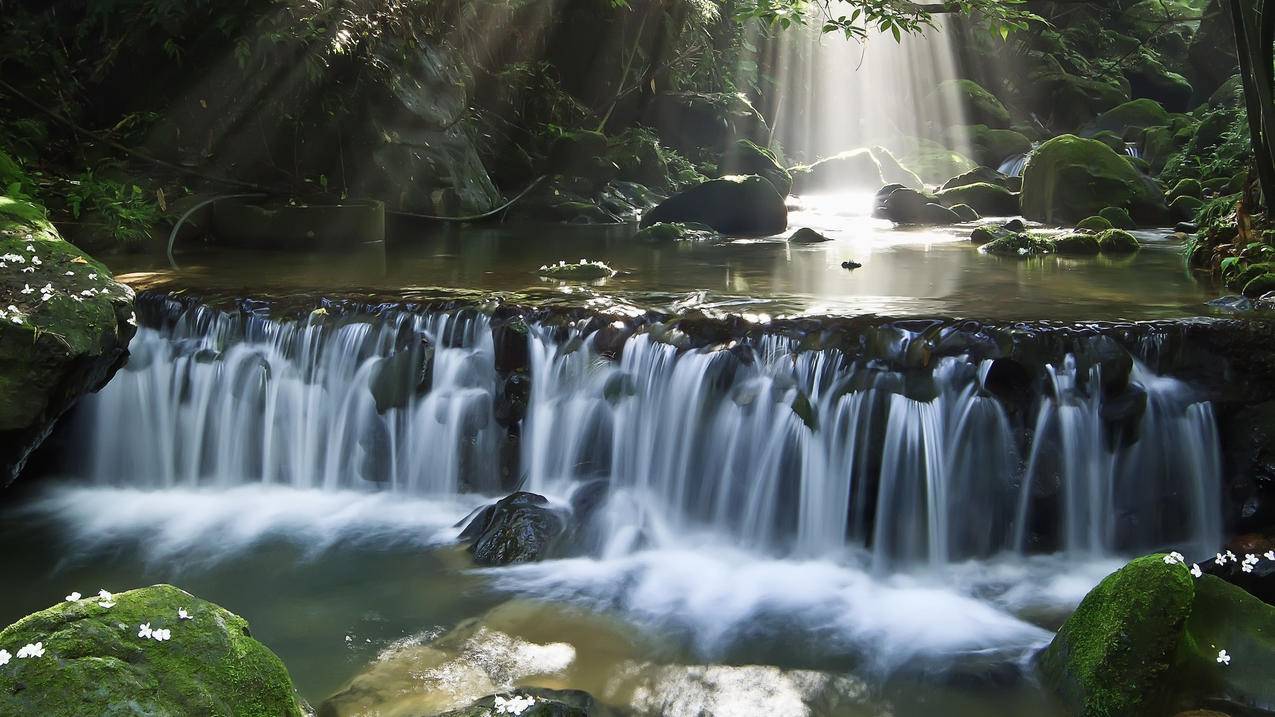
column 886, row 16
column 125, row 209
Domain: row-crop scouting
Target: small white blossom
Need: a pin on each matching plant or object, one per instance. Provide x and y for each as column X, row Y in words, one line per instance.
column 26, row 289
column 162, row 635
column 74, row 597
column 92, row 276
column 30, row 247
column 1174, row 558
column 515, row 705
column 31, row 650
column 29, row 270
column 1223, row 658
column 1195, row 570
column 5, row 657
column 36, row 260
column 1269, row 555
column 69, row 273
column 144, row 631
column 182, row 614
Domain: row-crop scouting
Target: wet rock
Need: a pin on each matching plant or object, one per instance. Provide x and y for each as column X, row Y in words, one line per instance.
column 520, row 528
column 737, row 206
column 1248, row 445
column 95, row 663
column 806, row 235
column 978, row 175
column 535, row 702
column 987, row 199
column 1232, row 303
column 1259, row 580
column 965, row 212
column 1078, row 244
column 402, row 376
column 1135, row 114
column 1225, row 617
column 855, row 169
column 908, row 206
column 676, row 231
column 1020, row 245
column 1094, row 224
column 1185, row 208
column 1117, row 217
column 1116, row 241
column 704, row 123
column 990, row 146
column 1069, row 178
column 582, row 153
column 1011, row 382
column 745, row 157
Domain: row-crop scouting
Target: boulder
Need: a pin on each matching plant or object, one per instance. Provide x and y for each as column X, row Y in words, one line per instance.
column 535, row 702
column 639, row 158
column 1135, row 114
column 1094, row 224
column 1225, row 617
column 1113, row 656
column 1077, row 244
column 1117, row 217
column 96, row 661
column 978, row 175
column 981, row 106
column 1069, row 178
column 1149, row 78
column 1017, row 245
column 989, row 233
column 745, row 157
column 1070, row 100
column 673, row 231
column 965, row 212
column 704, row 124
column 986, row 199
column 51, row 352
column 1212, row 56
column 582, row 153
column 856, row 169
column 1184, row 208
column 908, row 206
column 806, row 235
column 739, row 206
column 935, row 163
column 519, row 528
column 892, row 171
column 991, row 147
column 1117, row 241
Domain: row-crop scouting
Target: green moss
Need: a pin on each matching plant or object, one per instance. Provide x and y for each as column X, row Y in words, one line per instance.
column 745, row 157
column 935, row 163
column 20, row 209
column 1117, row 217
column 675, row 231
column 1016, row 245
column 1184, row 208
column 1111, row 656
column 1117, row 241
column 965, row 212
column 987, row 199
column 1259, row 285
column 1094, row 224
column 1069, row 178
column 1136, row 114
column 990, row 146
column 1188, row 187
column 1225, row 617
column 892, row 172
column 1075, row 244
column 95, row 663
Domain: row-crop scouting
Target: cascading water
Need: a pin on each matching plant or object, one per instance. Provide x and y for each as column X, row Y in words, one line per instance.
column 799, row 453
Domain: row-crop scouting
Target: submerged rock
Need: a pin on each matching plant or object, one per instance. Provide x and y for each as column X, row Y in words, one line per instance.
column 520, row 528
column 96, row 663
column 806, row 235
column 740, row 206
column 676, row 231
column 52, row 350
column 1069, row 178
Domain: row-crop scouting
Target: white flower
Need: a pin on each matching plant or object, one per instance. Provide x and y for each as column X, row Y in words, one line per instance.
column 26, row 289
column 182, row 614
column 36, row 260
column 1219, row 558
column 144, row 631
column 30, row 247
column 31, row 650
column 515, row 705
column 73, row 597
column 29, row 270
column 92, row 276
column 161, row 635
column 69, row 273
column 87, row 292
column 1231, row 557
column 77, row 299
column 5, row 657
column 1174, row 558
column 1195, row 570
column 105, row 594
column 108, row 604
column 1269, row 555
column 16, row 319
column 1223, row 658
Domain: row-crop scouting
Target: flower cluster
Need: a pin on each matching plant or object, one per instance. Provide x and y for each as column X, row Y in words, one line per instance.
column 47, row 292
column 515, row 705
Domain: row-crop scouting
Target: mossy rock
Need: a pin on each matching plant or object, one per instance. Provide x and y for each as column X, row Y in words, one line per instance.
column 990, row 146
column 1158, row 145
column 965, row 212
column 980, row 105
column 52, row 352
column 855, row 169
column 806, row 235
column 892, row 171
column 1187, row 188
column 1070, row 99
column 1225, row 617
column 1151, row 80
column 1259, row 285
column 746, row 157
column 740, row 206
column 1117, row 217
column 1094, row 224
column 675, row 231
column 1111, row 139
column 640, row 158
column 987, row 199
column 1016, row 245
column 1077, row 244
column 1069, row 178
column 582, row 270
column 1118, row 241
column 987, row 234
column 979, row 174
column 95, row 664
column 1112, row 656
column 582, row 153
column 935, row 163
column 538, row 702
column 1184, row 208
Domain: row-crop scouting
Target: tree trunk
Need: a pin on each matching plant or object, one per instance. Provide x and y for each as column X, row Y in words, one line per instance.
column 1255, row 38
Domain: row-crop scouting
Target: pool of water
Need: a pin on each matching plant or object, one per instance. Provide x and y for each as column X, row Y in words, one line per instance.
column 366, row 586
column 906, row 271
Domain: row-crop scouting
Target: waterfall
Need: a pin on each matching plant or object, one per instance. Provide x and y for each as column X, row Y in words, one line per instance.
column 1014, row 165
column 790, row 451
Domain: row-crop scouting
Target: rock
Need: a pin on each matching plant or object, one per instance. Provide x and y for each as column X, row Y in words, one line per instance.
column 1079, row 244
column 1135, row 114
column 519, row 528
column 1260, row 580
column 1019, row 246
column 1114, row 654
column 745, row 157
column 1185, row 208
column 984, row 234
column 1225, row 617
column 1015, row 225
column 582, row 270
column 908, row 206
column 987, row 199
column 1150, row 79
column 700, row 124
column 1117, row 217
column 1187, row 188
column 851, row 265
column 978, row 175
column 1213, row 58
column 1070, row 100
column 965, row 212
column 1069, row 178
column 990, row 146
column 676, row 231
column 892, row 171
column 1094, row 224
column 1111, row 139
column 1186, row 227
column 403, row 375
column 806, row 235
column 52, row 352
column 639, row 158
column 1229, row 95
column 1117, row 241
column 737, row 206
column 933, row 162
column 535, row 702
column 94, row 662
column 856, row 169
column 582, row 153
column 980, row 105
column 1259, row 285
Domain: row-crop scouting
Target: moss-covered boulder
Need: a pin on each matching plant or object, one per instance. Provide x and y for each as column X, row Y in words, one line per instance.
column 979, row 174
column 581, row 153
column 1187, row 188
column 704, row 124
column 1075, row 244
column 535, row 702
column 989, row 233
column 1184, row 207
column 892, row 171
column 65, row 325
column 855, row 169
column 1212, row 56
column 1259, row 285
column 987, row 199
column 990, row 146
column 1094, row 224
column 806, row 235
column 1117, row 241
column 746, row 157
column 1135, row 114
column 1117, row 217
column 674, row 231
column 97, row 660
column 739, row 206
column 1019, row 245
column 1150, row 79
column 965, row 212
column 1225, row 617
column 908, row 206
column 1069, row 178
column 980, row 106
column 1070, row 100
column 1114, row 653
